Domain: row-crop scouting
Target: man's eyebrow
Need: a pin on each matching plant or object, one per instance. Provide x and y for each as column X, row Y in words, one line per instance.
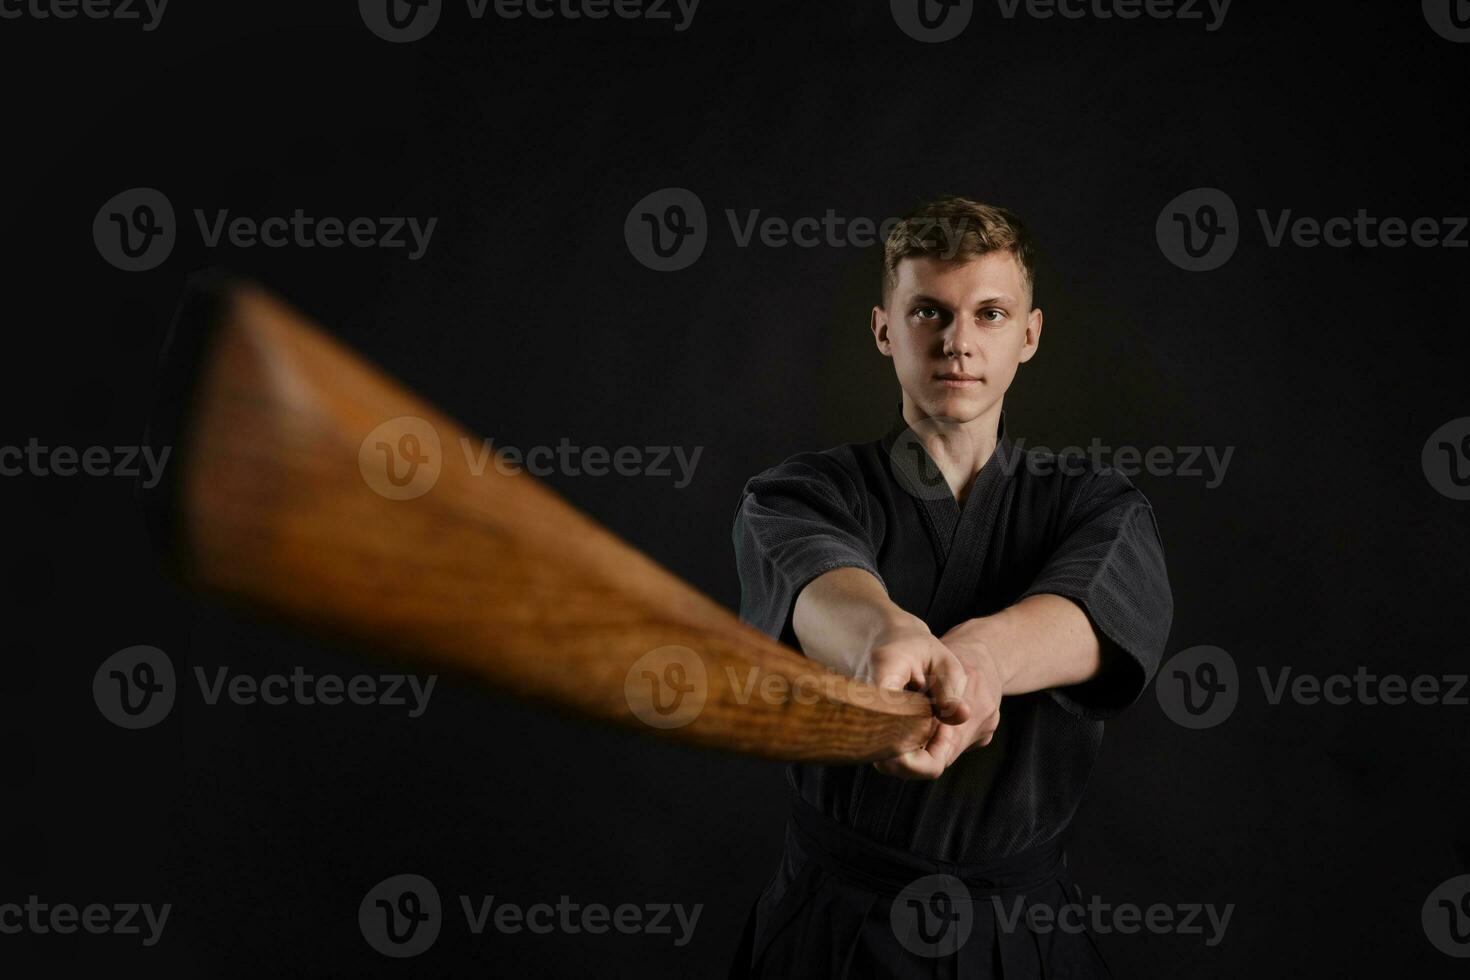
column 1000, row 299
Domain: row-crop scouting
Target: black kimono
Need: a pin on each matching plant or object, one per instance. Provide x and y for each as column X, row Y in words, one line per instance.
column 989, row 831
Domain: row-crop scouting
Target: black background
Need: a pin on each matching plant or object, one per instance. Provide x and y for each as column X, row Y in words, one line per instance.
column 1327, row 369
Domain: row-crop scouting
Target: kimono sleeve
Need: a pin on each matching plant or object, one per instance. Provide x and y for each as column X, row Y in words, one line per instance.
column 1111, row 563
column 796, row 521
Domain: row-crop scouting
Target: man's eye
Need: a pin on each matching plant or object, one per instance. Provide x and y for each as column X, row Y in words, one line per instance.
column 926, row 313
column 993, row 315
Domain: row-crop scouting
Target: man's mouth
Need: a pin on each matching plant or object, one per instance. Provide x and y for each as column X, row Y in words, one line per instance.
column 954, row 379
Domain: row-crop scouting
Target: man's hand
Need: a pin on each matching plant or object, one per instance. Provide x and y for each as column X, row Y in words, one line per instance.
column 966, row 696
column 971, row 723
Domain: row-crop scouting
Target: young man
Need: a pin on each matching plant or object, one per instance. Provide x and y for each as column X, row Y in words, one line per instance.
column 1026, row 594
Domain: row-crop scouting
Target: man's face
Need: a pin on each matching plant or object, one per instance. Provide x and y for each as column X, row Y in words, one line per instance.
column 957, row 330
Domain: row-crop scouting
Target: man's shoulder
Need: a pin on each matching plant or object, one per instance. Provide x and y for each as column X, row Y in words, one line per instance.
column 839, row 464
column 1069, row 475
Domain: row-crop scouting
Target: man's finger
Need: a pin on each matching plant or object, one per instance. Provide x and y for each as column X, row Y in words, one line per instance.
column 890, row 673
column 914, row 764
column 947, row 682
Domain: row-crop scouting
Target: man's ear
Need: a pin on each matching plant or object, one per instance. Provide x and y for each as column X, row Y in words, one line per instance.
column 879, row 325
column 1033, row 335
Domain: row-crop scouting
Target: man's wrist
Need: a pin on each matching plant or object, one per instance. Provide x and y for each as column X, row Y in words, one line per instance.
column 979, row 640
column 892, row 622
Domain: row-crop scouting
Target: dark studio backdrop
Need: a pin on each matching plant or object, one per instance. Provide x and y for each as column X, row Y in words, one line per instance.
column 1327, row 547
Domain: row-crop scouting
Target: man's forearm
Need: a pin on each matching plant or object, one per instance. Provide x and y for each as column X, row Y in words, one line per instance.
column 1042, row 642
column 840, row 614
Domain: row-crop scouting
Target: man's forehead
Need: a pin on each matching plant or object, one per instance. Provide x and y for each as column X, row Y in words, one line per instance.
column 994, row 272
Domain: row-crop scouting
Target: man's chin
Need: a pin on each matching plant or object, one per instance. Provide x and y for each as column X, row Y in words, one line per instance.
column 957, row 405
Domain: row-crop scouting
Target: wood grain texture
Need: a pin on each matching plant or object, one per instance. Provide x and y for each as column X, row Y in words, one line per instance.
column 281, row 505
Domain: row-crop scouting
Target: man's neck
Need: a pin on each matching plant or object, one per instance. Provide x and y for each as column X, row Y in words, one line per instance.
column 959, row 449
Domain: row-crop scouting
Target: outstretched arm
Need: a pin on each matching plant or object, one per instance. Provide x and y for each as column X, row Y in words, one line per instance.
column 1041, row 642
column 844, row 619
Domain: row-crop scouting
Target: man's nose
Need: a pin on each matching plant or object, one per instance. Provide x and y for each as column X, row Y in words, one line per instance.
column 959, row 340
